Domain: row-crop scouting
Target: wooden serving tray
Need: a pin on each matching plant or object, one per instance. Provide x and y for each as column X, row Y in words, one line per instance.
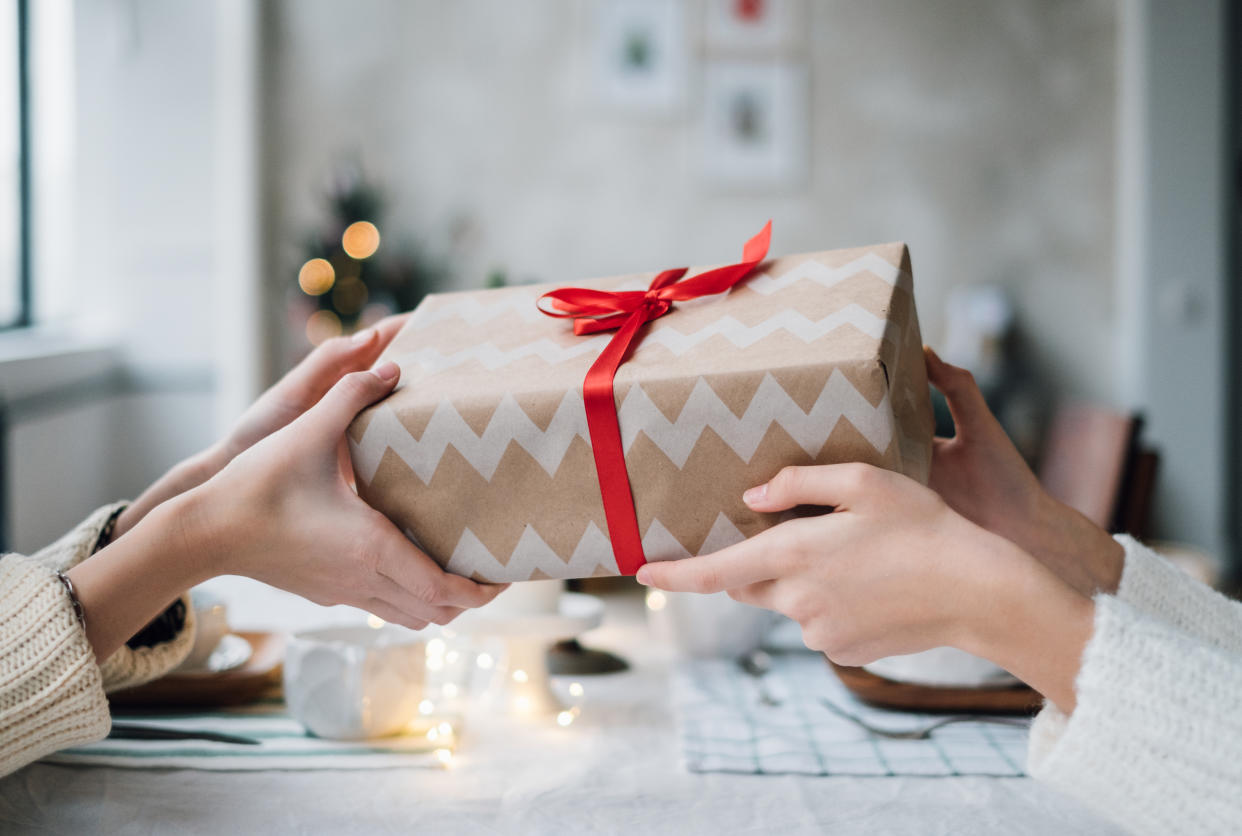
column 259, row 677
column 904, row 696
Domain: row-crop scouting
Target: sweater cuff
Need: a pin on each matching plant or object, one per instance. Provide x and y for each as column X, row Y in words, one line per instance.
column 133, row 666
column 1152, row 585
column 129, row 666
column 79, row 543
column 1153, row 739
column 51, row 692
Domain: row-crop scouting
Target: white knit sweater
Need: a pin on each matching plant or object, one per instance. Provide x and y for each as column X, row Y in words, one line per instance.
column 51, row 689
column 1155, row 741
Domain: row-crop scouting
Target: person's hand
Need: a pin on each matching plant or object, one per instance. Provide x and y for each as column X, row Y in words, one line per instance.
column 299, row 390
column 282, row 512
column 308, row 381
column 983, row 477
column 891, row 570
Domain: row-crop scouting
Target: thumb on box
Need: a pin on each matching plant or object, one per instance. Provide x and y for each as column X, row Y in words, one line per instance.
column 351, row 394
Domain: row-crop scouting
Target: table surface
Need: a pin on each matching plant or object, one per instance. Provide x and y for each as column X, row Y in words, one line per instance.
column 616, row 769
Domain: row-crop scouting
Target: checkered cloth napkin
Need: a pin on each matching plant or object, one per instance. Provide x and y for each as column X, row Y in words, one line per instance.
column 725, row 727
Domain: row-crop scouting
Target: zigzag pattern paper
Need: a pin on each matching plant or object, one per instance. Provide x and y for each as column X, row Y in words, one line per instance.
column 638, row 414
column 482, row 455
column 793, row 323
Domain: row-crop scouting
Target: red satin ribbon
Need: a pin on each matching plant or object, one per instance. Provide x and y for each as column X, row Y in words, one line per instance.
column 627, row 311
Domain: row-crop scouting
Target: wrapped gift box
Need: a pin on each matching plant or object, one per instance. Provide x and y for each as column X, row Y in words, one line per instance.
column 483, row 457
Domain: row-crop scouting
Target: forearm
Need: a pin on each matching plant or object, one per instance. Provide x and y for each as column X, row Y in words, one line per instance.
column 129, row 582
column 1031, row 623
column 1078, row 551
column 182, row 477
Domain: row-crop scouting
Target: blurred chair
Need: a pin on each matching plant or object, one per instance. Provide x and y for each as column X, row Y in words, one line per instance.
column 1093, row 460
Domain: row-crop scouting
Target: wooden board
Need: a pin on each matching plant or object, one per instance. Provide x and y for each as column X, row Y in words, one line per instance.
column 258, row 678
column 904, row 696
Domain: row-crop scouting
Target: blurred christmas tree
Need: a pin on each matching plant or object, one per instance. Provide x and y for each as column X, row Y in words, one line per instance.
column 347, row 279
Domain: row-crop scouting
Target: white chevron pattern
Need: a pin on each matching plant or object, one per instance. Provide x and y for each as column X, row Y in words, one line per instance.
column 660, row 544
column 703, row 409
column 821, row 273
column 532, row 553
column 743, row 336
column 470, row 307
column 770, row 405
column 509, row 423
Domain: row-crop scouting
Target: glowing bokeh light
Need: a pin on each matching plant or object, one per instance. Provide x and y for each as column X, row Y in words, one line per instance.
column 656, row 600
column 575, row 689
column 322, row 325
column 565, row 718
column 426, row 707
column 360, row 240
column 485, row 661
column 450, row 690
column 444, row 756
column 375, row 622
column 316, row 277
column 520, row 676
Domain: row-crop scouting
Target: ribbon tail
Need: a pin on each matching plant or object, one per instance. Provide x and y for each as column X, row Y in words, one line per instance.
column 605, row 430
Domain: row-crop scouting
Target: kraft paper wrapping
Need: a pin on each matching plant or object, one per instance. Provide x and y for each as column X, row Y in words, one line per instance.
column 482, row 455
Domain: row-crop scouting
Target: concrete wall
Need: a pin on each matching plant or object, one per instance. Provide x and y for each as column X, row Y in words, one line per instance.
column 980, row 132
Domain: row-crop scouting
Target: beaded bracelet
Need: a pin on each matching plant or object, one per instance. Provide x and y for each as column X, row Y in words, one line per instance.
column 73, row 596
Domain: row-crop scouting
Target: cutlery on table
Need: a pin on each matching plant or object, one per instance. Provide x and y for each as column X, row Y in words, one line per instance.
column 926, row 731
column 757, row 663
column 129, row 731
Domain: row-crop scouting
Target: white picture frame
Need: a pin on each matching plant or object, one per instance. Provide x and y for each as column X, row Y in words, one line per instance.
column 754, row 123
column 641, row 54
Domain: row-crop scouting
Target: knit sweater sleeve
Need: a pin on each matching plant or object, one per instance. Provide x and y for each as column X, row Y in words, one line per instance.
column 51, row 690
column 1152, row 585
column 1155, row 741
column 128, row 666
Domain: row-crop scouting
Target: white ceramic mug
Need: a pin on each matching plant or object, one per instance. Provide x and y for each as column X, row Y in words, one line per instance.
column 211, row 624
column 352, row 683
column 710, row 625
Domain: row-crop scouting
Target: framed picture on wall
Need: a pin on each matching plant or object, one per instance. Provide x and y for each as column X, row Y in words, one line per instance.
column 753, row 25
column 754, row 123
column 641, row 54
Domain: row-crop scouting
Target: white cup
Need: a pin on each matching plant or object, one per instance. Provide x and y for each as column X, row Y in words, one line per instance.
column 352, row 683
column 211, row 624
column 709, row 625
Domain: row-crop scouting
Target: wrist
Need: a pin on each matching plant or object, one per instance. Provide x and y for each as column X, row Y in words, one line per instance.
column 1029, row 622
column 193, row 523
column 1075, row 549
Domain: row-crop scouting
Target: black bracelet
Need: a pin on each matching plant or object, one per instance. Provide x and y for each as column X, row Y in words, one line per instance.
column 73, row 597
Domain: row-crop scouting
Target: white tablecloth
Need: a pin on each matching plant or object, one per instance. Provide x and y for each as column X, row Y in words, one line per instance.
column 616, row 770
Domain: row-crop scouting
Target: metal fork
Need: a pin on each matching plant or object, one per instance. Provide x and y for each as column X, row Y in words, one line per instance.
column 925, row 732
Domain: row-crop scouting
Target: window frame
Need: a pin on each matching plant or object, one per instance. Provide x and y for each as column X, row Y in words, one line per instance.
column 25, row 285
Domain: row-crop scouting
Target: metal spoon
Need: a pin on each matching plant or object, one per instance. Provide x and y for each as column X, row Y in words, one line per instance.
column 757, row 663
column 925, row 732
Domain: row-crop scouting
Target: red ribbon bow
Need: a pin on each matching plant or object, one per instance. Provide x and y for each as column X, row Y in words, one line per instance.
column 627, row 311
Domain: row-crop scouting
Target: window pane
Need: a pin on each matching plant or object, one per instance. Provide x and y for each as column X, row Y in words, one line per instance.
column 10, row 168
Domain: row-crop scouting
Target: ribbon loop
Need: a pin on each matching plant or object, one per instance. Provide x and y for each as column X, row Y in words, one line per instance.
column 594, row 311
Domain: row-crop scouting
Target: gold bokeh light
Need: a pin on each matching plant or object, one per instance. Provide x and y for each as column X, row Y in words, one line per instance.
column 360, row 240
column 322, row 325
column 316, row 277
